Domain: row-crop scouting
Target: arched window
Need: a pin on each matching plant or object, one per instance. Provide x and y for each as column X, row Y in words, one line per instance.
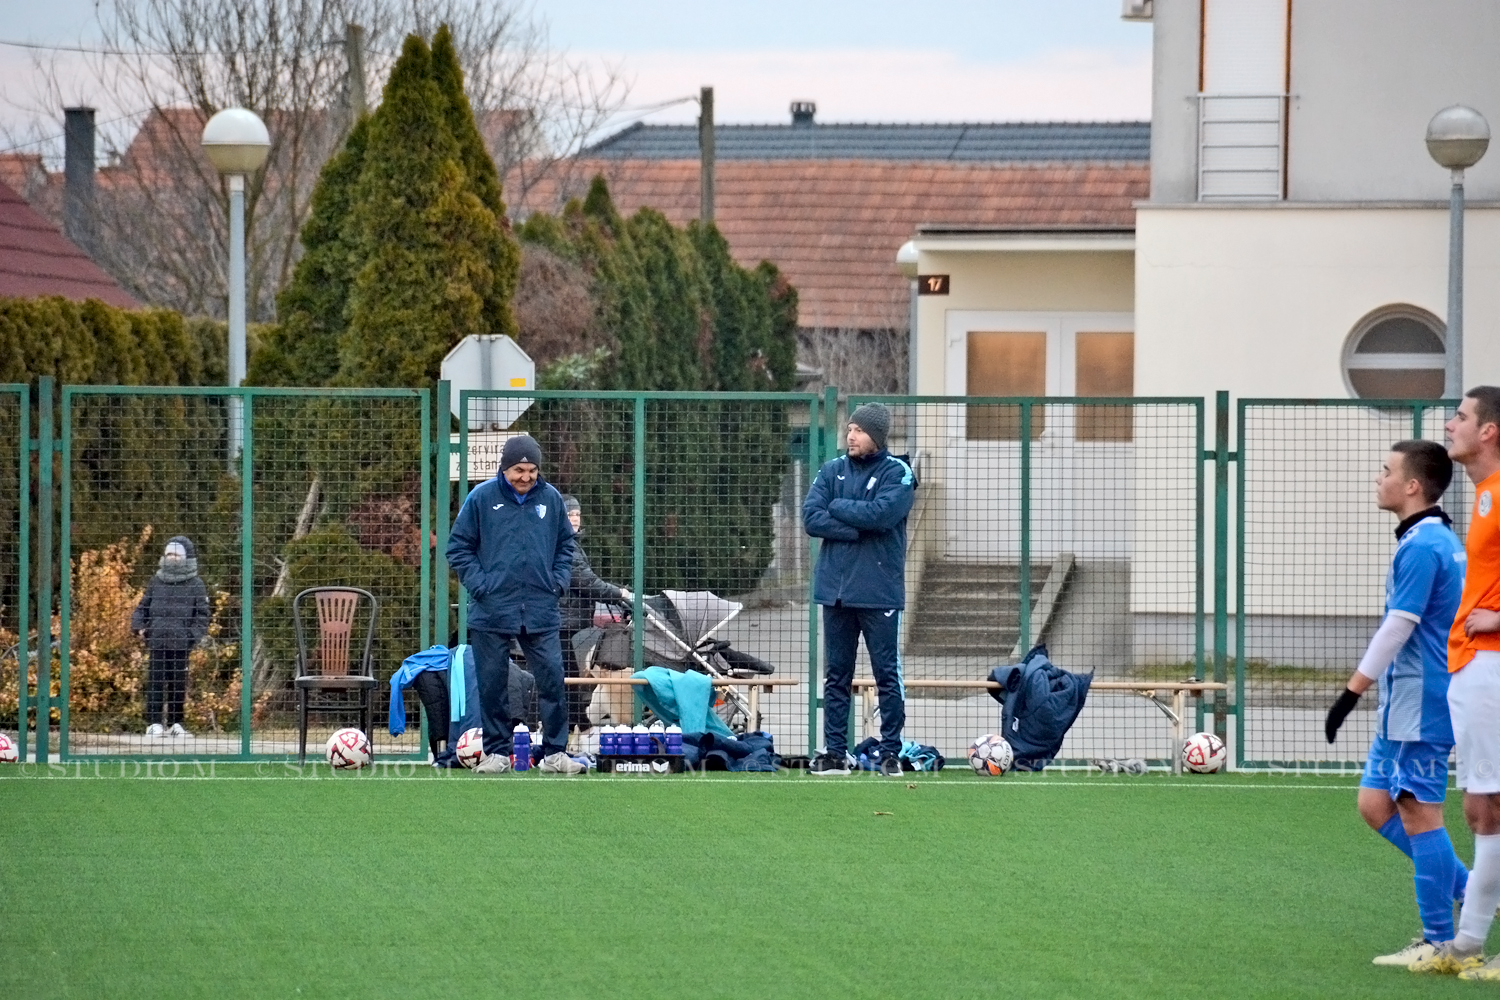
column 1395, row 352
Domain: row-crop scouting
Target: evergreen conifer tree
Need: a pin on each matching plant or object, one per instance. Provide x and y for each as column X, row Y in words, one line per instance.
column 424, row 279
column 303, row 349
column 483, row 178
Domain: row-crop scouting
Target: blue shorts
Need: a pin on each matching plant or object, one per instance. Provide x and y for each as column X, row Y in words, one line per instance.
column 1397, row 766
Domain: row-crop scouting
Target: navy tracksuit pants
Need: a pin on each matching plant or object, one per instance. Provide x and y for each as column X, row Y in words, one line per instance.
column 842, row 628
column 492, row 667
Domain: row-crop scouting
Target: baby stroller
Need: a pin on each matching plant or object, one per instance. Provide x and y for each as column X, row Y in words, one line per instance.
column 679, row 634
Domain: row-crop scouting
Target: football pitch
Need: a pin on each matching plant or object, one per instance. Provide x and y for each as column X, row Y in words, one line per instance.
column 258, row 883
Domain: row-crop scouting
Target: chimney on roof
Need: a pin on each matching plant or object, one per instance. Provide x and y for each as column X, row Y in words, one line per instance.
column 802, row 113
column 78, row 176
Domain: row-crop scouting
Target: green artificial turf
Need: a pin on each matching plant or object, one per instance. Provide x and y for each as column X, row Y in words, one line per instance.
column 743, row 887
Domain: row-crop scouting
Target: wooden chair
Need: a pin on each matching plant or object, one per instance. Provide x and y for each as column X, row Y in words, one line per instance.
column 331, row 668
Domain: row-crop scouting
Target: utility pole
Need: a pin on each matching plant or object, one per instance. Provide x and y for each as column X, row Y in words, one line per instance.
column 706, row 154
column 354, row 60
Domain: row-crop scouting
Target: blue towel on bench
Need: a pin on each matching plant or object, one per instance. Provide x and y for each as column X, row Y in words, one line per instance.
column 683, row 697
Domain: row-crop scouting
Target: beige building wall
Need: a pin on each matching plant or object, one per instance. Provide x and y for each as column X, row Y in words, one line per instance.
column 1015, row 280
column 1261, row 300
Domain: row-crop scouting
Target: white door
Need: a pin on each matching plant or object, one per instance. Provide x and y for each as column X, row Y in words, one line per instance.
column 1081, row 477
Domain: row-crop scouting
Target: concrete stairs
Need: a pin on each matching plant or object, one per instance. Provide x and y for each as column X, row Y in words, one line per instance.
column 973, row 609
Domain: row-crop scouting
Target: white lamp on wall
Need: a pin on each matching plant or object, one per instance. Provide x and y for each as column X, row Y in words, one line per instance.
column 236, row 143
column 1457, row 138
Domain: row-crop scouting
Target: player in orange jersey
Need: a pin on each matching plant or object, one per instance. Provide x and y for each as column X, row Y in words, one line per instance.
column 1474, row 691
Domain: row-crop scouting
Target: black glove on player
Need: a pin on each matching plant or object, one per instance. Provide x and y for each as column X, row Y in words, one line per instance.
column 1338, row 713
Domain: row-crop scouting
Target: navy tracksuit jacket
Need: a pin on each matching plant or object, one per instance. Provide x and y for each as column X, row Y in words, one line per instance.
column 514, row 555
column 859, row 507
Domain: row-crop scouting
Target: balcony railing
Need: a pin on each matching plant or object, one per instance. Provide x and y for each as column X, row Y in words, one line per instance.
column 1241, row 147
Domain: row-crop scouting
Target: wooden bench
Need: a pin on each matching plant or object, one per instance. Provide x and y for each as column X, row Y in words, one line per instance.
column 1154, row 691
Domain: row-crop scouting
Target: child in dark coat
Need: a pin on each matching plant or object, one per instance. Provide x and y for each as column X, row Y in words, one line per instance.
column 172, row 618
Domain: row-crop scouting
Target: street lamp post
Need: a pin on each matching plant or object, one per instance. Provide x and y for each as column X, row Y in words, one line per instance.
column 237, row 144
column 1457, row 138
column 907, row 264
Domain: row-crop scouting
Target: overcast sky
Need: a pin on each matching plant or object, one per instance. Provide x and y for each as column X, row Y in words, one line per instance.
column 860, row 60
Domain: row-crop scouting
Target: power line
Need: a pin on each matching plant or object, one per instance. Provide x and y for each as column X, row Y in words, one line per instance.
column 92, row 51
column 53, row 138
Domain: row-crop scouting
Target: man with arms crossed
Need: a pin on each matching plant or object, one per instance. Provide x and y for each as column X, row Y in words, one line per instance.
column 1406, row 773
column 1474, row 690
column 858, row 506
column 512, row 548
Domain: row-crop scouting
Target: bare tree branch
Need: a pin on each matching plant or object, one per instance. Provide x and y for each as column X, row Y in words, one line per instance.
column 162, row 210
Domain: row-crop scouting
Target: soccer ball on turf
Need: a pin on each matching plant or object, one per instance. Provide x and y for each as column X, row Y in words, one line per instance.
column 991, row 754
column 470, row 748
column 1204, row 753
column 8, row 753
column 348, row 750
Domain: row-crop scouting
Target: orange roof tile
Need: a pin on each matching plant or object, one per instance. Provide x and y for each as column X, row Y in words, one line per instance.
column 834, row 226
column 36, row 259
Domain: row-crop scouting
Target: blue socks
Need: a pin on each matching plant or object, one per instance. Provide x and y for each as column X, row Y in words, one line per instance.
column 1432, row 854
column 1396, row 834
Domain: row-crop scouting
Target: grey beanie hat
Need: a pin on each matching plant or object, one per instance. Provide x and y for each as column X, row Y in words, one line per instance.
column 875, row 420
column 521, row 448
column 570, row 503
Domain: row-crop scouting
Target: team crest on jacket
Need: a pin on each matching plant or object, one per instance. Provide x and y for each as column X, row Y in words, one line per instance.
column 541, row 511
column 1485, row 502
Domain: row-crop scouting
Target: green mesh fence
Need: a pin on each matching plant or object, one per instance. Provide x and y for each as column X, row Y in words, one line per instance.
column 1312, row 555
column 693, row 501
column 1086, row 524
column 337, row 495
column 1077, row 523
column 15, row 525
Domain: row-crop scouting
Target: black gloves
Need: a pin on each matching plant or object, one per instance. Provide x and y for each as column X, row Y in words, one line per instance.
column 1338, row 713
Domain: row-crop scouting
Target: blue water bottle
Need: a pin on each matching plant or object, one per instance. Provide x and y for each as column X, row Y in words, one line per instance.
column 608, row 745
column 640, row 741
column 674, row 741
column 522, row 749
column 658, row 737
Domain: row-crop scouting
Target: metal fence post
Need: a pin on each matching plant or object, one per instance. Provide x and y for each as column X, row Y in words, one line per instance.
column 1199, row 590
column 442, row 442
column 465, row 400
column 1023, row 621
column 638, row 538
column 23, row 567
column 44, row 569
column 65, row 579
column 813, row 545
column 424, row 628
column 1221, row 557
column 247, row 563
column 1239, row 590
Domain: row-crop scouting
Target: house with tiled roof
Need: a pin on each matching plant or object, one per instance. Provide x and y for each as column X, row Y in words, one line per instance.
column 37, row 259
column 831, row 203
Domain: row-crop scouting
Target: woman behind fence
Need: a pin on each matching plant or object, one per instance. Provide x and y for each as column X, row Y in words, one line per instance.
column 172, row 618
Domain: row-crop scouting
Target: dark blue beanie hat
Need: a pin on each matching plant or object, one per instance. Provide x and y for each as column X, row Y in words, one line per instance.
column 521, row 448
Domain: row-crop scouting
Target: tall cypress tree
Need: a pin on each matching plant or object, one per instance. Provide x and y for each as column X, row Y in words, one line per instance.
column 303, row 349
column 424, row 281
column 499, row 248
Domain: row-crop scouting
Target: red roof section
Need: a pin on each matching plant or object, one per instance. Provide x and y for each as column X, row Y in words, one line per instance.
column 36, row 259
column 834, row 227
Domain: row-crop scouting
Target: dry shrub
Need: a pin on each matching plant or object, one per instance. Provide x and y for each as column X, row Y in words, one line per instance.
column 107, row 663
column 555, row 308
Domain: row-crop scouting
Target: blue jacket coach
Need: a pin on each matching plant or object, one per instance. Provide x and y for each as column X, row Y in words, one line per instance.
column 512, row 548
column 858, row 506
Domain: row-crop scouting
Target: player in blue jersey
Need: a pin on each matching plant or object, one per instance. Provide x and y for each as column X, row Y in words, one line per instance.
column 1406, row 773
